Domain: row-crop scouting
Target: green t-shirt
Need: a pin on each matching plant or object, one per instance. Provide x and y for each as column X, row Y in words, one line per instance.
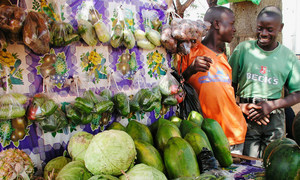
column 263, row 74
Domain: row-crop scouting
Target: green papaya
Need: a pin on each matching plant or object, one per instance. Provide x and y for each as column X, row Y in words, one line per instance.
column 117, row 126
column 154, row 126
column 198, row 130
column 180, row 159
column 195, row 117
column 176, row 120
column 139, row 131
column 186, row 126
column 164, row 132
column 197, row 142
column 148, row 154
column 218, row 141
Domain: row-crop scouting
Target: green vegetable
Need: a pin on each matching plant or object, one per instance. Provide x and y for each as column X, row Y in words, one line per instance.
column 143, row 170
column 104, row 106
column 83, row 104
column 170, row 100
column 73, row 115
column 13, row 98
column 54, row 122
column 88, row 118
column 218, row 141
column 48, row 107
column 62, row 34
column 55, row 164
column 78, row 144
column 91, row 96
column 74, row 170
column 117, row 37
column 183, row 164
column 140, row 35
column 103, row 177
column 116, row 126
column 139, row 131
column 284, row 163
column 110, row 152
column 145, row 44
column 106, row 93
column 102, row 31
column 129, row 40
column 149, row 155
column 195, row 117
column 121, row 102
column 11, row 111
column 87, row 32
column 154, row 37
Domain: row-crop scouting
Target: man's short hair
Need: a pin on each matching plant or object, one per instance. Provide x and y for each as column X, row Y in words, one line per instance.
column 272, row 11
column 215, row 13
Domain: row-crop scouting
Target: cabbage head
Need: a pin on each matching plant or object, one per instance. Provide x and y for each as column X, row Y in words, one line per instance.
column 110, row 152
column 78, row 144
column 74, row 170
column 143, row 172
column 55, row 165
column 103, row 177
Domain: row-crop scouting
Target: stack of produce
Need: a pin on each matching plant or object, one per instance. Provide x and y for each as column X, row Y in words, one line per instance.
column 138, row 151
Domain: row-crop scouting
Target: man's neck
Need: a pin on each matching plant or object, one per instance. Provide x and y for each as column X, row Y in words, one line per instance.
column 213, row 43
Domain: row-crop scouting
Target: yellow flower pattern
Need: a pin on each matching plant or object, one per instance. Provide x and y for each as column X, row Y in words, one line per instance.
column 7, row 59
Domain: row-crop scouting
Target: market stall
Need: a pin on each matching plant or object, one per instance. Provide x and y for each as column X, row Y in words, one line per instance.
column 74, row 66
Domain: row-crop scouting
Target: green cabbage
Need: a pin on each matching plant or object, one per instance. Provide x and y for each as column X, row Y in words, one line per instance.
column 57, row 164
column 110, row 152
column 74, row 170
column 103, row 177
column 78, row 144
column 144, row 172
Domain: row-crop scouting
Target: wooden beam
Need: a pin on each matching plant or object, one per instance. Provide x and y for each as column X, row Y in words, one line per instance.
column 180, row 8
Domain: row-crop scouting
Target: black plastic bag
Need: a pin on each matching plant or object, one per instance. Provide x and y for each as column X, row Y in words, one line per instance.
column 191, row 100
column 207, row 160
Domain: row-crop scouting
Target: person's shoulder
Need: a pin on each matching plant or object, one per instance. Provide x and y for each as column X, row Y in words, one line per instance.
column 288, row 52
column 246, row 44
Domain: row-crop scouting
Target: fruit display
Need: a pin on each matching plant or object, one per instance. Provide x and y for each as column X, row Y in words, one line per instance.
column 15, row 164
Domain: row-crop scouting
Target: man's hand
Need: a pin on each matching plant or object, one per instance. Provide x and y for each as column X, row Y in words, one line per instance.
column 200, row 64
column 266, row 109
column 247, row 107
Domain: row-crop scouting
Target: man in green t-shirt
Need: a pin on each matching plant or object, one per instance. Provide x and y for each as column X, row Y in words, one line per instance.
column 260, row 70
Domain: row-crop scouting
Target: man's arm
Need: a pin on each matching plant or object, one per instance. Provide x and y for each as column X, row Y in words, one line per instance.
column 200, row 64
column 268, row 106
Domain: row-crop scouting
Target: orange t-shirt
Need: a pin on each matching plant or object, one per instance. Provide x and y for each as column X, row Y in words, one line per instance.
column 216, row 95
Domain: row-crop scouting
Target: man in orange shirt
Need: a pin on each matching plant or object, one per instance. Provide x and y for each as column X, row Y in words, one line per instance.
column 207, row 70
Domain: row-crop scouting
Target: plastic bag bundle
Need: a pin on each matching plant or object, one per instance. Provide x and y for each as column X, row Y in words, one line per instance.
column 36, row 34
column 177, row 34
column 151, row 34
column 11, row 18
column 87, row 32
column 221, row 2
column 61, row 33
column 118, row 30
column 11, row 106
column 167, row 40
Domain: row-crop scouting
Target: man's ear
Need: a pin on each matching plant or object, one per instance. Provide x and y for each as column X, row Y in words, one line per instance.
column 281, row 27
column 215, row 24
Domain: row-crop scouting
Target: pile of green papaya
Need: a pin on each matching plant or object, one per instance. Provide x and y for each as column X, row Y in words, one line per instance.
column 187, row 149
